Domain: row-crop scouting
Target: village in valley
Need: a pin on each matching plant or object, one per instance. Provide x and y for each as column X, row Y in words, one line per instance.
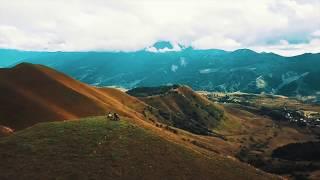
column 289, row 110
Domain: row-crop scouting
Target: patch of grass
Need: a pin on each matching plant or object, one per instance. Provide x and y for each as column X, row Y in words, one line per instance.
column 228, row 124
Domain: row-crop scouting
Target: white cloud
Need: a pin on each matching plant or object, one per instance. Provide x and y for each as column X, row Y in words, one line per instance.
column 316, row 33
column 286, row 49
column 216, row 42
column 132, row 25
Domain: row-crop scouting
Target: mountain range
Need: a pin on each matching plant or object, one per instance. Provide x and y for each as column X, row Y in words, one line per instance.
column 210, row 70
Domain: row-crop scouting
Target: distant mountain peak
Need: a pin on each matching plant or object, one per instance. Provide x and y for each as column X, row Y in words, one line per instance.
column 162, row 45
column 245, row 51
column 165, row 46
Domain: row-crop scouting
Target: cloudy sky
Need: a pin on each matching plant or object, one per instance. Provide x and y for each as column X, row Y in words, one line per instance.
column 287, row 27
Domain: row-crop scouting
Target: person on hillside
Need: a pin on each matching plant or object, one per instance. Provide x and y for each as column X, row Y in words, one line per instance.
column 116, row 117
column 109, row 115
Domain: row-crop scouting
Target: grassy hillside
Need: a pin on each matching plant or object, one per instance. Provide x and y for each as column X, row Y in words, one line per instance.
column 181, row 107
column 94, row 148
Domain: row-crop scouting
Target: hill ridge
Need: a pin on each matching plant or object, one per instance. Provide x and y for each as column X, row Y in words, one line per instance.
column 56, row 95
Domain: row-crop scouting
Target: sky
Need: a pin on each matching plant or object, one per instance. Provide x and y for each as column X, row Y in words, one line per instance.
column 286, row 27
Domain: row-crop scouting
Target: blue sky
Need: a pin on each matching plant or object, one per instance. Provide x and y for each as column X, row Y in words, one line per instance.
column 287, row 27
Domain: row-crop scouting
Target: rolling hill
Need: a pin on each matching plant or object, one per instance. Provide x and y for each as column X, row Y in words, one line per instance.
column 181, row 107
column 94, row 148
column 34, row 93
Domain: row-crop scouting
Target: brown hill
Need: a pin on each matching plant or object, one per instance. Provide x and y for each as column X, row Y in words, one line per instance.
column 181, row 107
column 34, row 93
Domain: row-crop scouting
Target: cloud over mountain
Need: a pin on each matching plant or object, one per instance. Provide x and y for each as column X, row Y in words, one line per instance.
column 131, row 25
